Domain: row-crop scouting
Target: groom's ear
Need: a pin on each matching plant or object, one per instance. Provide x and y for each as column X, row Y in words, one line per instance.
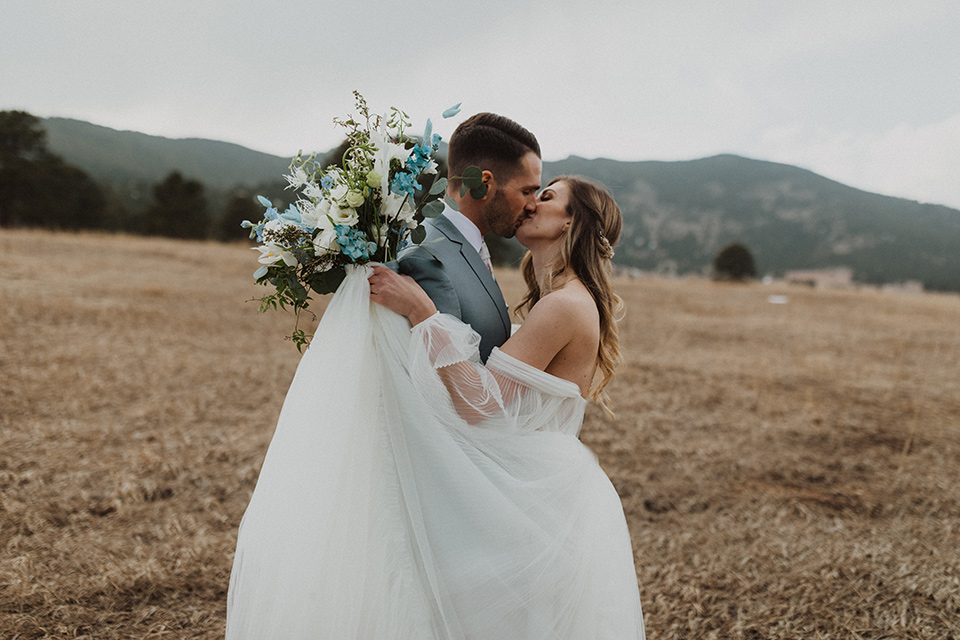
column 488, row 180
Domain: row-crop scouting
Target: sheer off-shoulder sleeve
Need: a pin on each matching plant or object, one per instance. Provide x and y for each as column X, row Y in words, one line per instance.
column 506, row 392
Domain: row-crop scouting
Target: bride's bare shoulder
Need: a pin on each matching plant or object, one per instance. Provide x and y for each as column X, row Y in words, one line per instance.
column 572, row 300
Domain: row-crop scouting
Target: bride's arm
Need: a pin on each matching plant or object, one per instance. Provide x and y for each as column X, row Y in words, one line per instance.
column 474, row 390
column 477, row 392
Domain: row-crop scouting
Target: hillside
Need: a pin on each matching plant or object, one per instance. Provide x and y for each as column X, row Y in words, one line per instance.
column 678, row 215
column 128, row 157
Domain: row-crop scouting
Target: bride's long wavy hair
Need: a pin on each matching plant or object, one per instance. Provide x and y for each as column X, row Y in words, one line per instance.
column 587, row 249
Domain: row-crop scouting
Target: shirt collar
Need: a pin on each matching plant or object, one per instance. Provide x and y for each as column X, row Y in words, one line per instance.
column 465, row 226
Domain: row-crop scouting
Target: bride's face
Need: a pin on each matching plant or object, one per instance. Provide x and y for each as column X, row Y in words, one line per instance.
column 550, row 220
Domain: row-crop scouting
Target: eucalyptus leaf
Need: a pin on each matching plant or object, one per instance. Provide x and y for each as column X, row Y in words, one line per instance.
column 477, row 193
column 472, row 176
column 418, row 235
column 438, row 187
column 327, row 281
column 451, row 203
column 432, row 209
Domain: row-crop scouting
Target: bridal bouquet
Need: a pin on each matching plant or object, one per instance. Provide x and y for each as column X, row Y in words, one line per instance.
column 365, row 209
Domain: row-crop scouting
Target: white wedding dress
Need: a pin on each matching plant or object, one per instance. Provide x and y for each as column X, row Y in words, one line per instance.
column 388, row 508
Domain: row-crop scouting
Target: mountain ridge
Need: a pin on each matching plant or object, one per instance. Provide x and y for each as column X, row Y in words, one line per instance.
column 677, row 214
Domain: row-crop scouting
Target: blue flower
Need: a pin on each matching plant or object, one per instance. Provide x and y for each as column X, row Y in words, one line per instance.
column 292, row 214
column 353, row 243
column 403, row 183
column 256, row 230
column 419, row 158
column 326, row 182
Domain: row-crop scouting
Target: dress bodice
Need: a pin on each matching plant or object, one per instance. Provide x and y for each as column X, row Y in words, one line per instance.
column 505, row 396
column 546, row 402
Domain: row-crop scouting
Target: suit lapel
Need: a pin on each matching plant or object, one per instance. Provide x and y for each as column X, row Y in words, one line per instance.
column 472, row 258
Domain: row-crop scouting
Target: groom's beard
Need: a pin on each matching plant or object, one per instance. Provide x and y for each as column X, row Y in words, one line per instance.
column 501, row 220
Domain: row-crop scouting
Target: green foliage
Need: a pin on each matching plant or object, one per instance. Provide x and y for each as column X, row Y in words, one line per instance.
column 472, row 181
column 734, row 262
column 178, row 210
column 677, row 215
column 239, row 208
column 432, row 209
column 37, row 188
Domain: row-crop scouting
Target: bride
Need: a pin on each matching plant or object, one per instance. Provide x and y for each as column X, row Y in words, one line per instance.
column 411, row 492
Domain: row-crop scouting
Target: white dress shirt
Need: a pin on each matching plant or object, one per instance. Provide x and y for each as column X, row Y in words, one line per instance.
column 465, row 226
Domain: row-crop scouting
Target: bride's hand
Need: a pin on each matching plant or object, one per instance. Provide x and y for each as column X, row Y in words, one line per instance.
column 401, row 294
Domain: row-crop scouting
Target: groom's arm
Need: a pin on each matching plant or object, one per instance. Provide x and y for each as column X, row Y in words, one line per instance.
column 429, row 273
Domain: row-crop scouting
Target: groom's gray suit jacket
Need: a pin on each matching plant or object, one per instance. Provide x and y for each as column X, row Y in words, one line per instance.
column 454, row 276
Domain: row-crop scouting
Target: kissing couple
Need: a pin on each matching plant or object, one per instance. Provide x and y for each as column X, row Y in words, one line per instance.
column 426, row 480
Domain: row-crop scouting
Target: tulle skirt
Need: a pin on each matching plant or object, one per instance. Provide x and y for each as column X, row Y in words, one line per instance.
column 374, row 517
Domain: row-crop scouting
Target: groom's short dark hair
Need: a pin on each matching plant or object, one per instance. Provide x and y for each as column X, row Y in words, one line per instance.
column 493, row 143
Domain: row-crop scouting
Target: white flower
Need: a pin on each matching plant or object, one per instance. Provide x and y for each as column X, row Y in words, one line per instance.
column 323, row 214
column 272, row 253
column 277, row 225
column 326, row 242
column 386, row 151
column 313, row 191
column 346, row 216
column 337, row 192
column 396, row 206
column 297, row 178
column 308, row 213
column 354, row 199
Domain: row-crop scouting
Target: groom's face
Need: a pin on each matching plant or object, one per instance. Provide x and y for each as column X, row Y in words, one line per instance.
column 514, row 200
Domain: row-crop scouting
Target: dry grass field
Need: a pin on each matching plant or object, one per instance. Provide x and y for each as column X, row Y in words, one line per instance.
column 787, row 470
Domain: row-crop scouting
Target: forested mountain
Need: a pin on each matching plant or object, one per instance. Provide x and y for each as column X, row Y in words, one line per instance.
column 677, row 215
column 128, row 157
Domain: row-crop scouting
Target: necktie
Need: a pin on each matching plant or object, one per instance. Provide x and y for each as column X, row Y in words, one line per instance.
column 485, row 256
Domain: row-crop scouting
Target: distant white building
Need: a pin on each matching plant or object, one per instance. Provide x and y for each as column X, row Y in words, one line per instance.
column 908, row 286
column 834, row 278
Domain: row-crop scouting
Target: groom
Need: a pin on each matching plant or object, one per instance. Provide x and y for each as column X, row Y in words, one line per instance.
column 453, row 264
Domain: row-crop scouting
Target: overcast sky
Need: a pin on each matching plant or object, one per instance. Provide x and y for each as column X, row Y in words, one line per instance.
column 864, row 92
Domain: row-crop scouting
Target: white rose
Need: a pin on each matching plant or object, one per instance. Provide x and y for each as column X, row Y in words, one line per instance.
column 345, row 216
column 354, row 198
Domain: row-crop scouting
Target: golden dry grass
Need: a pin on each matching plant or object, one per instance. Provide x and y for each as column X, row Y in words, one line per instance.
column 788, row 471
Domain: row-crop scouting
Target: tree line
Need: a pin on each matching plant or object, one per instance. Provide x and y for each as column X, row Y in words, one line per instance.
column 40, row 189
